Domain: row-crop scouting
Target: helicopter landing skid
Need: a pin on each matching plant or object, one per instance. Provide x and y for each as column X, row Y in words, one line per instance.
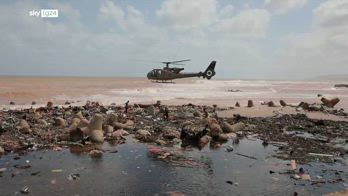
column 163, row 81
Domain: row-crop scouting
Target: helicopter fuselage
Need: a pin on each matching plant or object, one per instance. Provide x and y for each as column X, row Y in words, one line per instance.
column 163, row 75
column 171, row 73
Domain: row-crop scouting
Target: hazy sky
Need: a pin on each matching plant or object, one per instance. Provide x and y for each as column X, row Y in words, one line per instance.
column 264, row 39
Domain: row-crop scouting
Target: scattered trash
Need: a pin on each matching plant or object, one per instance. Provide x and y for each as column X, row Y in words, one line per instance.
column 229, row 148
column 229, row 182
column 22, row 166
column 321, row 155
column 25, row 190
column 74, row 177
column 35, row 173
column 57, row 170
column 247, row 156
column 293, row 165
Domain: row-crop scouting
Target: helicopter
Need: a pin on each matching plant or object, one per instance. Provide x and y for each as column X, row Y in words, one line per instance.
column 170, row 73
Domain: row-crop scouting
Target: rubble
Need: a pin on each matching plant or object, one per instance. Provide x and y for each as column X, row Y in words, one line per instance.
column 250, row 103
column 283, row 103
column 341, row 85
column 237, row 104
column 142, row 134
column 228, row 128
column 96, row 153
column 59, row 122
column 330, row 102
column 95, row 129
column 24, row 127
column 49, row 104
column 2, row 151
column 83, row 125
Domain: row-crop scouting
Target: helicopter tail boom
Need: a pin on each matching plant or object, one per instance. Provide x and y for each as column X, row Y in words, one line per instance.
column 210, row 71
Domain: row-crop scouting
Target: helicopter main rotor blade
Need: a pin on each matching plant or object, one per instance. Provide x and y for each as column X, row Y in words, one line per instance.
column 175, row 62
column 180, row 61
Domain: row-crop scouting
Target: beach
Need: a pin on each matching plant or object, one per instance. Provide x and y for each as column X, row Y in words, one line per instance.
column 24, row 90
column 69, row 135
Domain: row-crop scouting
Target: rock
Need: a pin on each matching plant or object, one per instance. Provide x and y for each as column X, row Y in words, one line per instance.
column 2, row 151
column 96, row 136
column 271, row 104
column 111, row 119
column 96, row 153
column 12, row 103
column 83, row 123
column 142, row 134
column 237, row 104
column 330, row 102
column 197, row 113
column 76, row 135
column 37, row 116
column 231, row 135
column 59, row 122
column 151, row 110
column 24, row 127
column 250, row 103
column 204, row 141
column 160, row 142
column 304, row 105
column 129, row 125
column 109, row 129
column 42, row 122
column 138, row 111
column 67, row 103
column 79, row 115
column 193, row 131
column 170, row 133
column 228, row 128
column 209, row 121
column 215, row 129
column 33, row 103
column 85, row 130
column 119, row 134
column 282, row 103
column 96, row 122
column 223, row 137
column 75, row 122
column 49, row 104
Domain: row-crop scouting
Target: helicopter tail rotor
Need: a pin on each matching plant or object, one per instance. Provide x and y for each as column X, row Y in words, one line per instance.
column 210, row 71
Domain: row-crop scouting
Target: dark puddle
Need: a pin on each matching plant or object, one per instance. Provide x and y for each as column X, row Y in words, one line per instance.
column 131, row 171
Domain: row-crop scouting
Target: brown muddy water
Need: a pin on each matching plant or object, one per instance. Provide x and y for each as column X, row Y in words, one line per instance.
column 131, row 170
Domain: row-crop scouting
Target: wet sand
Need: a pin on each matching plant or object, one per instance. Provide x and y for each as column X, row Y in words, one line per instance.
column 24, row 90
